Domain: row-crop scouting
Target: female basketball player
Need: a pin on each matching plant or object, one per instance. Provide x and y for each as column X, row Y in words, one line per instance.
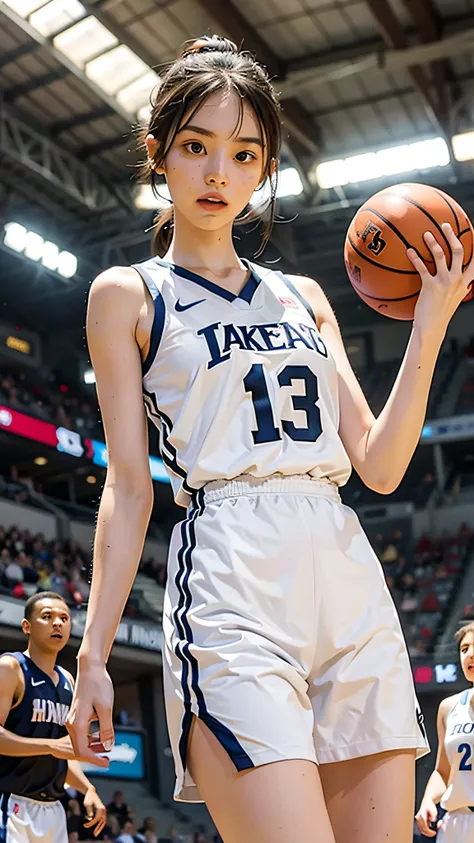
column 283, row 647
column 451, row 783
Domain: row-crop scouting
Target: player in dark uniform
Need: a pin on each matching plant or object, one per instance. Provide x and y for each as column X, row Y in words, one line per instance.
column 36, row 755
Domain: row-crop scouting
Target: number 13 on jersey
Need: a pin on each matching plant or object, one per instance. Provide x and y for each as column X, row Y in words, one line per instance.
column 267, row 430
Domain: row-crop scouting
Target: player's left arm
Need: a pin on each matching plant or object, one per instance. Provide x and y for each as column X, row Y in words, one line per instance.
column 381, row 448
column 96, row 812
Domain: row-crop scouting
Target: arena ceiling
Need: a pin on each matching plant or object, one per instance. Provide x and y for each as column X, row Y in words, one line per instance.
column 354, row 76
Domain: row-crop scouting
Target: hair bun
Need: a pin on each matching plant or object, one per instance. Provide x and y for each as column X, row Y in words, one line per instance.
column 210, row 44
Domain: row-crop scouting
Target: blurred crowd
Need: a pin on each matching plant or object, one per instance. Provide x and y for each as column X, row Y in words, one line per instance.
column 50, row 399
column 122, row 825
column 29, row 563
column 423, row 578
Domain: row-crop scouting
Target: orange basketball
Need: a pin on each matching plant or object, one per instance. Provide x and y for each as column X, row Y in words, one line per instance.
column 381, row 232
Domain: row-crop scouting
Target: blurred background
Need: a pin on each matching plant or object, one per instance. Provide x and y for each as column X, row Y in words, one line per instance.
column 374, row 92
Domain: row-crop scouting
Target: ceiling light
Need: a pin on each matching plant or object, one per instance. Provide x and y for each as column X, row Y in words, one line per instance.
column 89, row 376
column 56, row 15
column 115, row 69
column 84, row 40
column 463, row 146
column 15, row 236
column 289, row 183
column 421, row 155
column 67, row 264
column 40, row 461
column 34, row 246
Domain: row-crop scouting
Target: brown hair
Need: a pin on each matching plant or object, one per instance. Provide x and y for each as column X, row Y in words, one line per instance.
column 461, row 633
column 204, row 67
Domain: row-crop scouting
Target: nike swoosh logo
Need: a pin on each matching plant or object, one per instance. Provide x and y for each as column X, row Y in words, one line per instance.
column 181, row 307
column 41, row 682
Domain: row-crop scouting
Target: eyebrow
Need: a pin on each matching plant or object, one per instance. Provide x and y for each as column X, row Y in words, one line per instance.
column 201, row 131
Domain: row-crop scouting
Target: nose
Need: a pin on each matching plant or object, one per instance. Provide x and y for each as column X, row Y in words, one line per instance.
column 216, row 177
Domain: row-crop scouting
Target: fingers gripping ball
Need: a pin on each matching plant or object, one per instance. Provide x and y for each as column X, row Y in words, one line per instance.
column 384, row 228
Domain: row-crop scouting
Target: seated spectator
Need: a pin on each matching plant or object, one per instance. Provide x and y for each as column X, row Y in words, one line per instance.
column 118, row 808
column 128, row 833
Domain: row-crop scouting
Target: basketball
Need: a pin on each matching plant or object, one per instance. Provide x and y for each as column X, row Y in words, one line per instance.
column 382, row 230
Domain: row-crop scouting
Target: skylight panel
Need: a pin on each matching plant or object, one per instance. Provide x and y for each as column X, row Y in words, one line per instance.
column 84, row 40
column 24, row 8
column 135, row 96
column 116, row 69
column 56, row 15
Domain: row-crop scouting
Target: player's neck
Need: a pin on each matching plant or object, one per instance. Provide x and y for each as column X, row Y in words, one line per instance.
column 45, row 661
column 200, row 250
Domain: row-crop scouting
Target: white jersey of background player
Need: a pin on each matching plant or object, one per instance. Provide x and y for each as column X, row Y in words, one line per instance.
column 283, row 650
column 452, row 782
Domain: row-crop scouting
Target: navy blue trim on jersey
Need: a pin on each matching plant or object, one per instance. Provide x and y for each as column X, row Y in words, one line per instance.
column 226, row 738
column 297, row 293
column 158, row 318
column 247, row 292
column 4, row 800
column 168, row 452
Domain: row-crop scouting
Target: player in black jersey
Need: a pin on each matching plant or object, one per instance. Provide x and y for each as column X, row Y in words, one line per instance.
column 36, row 755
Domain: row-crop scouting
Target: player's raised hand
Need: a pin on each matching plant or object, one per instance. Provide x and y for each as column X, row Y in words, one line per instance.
column 442, row 293
column 427, row 814
column 93, row 700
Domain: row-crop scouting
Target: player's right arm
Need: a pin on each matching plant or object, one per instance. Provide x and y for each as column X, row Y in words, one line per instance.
column 116, row 300
column 438, row 781
column 11, row 692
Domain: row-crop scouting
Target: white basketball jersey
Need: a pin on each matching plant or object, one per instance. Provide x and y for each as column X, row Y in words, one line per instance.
column 459, row 743
column 238, row 384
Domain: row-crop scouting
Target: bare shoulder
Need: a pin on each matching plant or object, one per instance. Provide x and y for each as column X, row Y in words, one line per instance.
column 315, row 296
column 116, row 297
column 117, row 284
column 11, row 675
column 9, row 665
column 447, row 705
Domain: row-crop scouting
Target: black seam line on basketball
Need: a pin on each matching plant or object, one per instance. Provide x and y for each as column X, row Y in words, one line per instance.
column 380, row 265
column 379, row 298
column 442, row 195
column 427, row 214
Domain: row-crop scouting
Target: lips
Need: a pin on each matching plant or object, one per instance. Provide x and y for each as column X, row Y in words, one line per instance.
column 57, row 635
column 212, row 202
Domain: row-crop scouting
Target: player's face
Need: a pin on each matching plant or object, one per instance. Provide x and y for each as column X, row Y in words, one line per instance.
column 466, row 651
column 50, row 626
column 213, row 154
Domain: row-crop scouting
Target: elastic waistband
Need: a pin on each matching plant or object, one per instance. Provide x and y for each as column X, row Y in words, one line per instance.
column 48, row 803
column 292, row 484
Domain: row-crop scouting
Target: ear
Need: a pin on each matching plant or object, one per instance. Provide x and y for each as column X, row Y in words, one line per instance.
column 273, row 166
column 26, row 626
column 152, row 149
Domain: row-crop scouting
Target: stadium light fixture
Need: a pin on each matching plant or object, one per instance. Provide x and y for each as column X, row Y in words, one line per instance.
column 89, row 376
column 34, row 247
column 412, row 157
column 463, row 146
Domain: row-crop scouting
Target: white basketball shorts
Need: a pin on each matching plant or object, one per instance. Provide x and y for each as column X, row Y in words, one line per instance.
column 24, row 820
column 457, row 827
column 280, row 632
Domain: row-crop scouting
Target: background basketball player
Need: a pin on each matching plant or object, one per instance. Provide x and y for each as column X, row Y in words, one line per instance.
column 36, row 755
column 452, row 782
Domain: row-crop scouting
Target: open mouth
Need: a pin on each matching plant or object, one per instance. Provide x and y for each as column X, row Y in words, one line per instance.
column 212, row 203
column 57, row 635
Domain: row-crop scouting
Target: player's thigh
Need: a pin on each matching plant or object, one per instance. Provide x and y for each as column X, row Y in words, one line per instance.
column 371, row 799
column 274, row 803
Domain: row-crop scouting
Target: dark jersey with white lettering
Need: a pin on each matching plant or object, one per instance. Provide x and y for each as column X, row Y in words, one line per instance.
column 42, row 713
